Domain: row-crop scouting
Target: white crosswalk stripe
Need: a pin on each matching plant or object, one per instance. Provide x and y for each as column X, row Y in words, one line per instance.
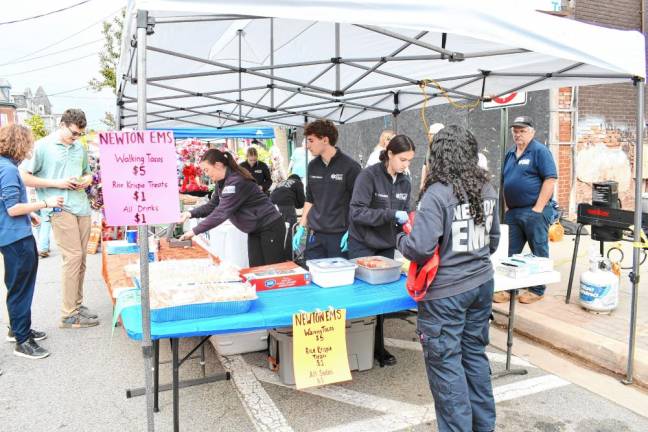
column 393, row 415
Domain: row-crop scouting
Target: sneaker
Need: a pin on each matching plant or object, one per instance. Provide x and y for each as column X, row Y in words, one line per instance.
column 78, row 321
column 34, row 334
column 30, row 349
column 529, row 297
column 43, row 254
column 501, row 297
column 386, row 358
column 87, row 313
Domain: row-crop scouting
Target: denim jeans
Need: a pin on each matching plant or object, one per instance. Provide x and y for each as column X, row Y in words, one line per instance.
column 454, row 334
column 21, row 265
column 44, row 232
column 525, row 225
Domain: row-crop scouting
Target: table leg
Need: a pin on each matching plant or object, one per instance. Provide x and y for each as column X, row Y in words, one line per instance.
column 573, row 263
column 379, row 340
column 509, row 341
column 156, row 375
column 176, row 395
column 202, row 360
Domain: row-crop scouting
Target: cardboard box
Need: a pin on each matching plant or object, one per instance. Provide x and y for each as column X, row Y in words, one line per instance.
column 274, row 276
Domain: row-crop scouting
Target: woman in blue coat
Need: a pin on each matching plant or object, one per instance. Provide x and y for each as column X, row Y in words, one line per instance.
column 17, row 242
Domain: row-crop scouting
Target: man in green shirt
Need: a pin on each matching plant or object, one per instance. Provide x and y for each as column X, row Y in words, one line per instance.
column 60, row 167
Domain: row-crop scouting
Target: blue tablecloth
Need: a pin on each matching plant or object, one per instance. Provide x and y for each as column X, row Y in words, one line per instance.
column 275, row 309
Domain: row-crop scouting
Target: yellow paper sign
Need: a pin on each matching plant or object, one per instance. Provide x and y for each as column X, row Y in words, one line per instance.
column 319, row 348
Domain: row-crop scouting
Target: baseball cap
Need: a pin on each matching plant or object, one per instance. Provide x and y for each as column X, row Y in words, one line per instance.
column 522, row 121
column 436, row 127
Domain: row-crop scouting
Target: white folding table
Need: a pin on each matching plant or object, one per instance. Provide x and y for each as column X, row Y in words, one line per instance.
column 505, row 283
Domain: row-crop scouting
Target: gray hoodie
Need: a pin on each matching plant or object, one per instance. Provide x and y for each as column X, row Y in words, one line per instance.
column 464, row 249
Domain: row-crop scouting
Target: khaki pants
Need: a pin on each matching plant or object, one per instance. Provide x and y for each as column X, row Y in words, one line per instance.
column 72, row 234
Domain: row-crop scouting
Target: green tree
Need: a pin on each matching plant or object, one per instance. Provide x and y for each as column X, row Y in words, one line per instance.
column 109, row 55
column 109, row 60
column 37, row 126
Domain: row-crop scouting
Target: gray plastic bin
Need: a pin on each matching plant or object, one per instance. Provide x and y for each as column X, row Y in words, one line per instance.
column 359, row 341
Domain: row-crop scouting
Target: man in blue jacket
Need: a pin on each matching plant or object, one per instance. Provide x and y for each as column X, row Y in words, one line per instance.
column 529, row 174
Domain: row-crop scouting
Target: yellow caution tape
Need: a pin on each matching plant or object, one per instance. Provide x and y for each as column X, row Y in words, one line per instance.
column 643, row 244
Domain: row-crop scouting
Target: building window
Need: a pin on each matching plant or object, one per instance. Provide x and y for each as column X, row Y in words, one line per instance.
column 3, row 119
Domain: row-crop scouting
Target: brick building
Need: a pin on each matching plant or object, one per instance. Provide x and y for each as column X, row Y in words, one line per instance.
column 596, row 125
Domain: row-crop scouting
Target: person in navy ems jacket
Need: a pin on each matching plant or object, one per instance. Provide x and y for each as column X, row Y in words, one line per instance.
column 456, row 213
column 379, row 207
column 258, row 169
column 331, row 176
column 239, row 199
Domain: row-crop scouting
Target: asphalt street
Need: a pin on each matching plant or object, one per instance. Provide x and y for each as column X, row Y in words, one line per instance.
column 82, row 385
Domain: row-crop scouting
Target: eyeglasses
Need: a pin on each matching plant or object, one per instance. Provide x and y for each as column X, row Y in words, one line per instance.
column 75, row 134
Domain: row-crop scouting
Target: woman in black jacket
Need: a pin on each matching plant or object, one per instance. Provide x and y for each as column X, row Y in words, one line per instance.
column 239, row 199
column 378, row 209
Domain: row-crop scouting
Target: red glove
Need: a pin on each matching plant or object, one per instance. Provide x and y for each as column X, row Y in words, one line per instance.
column 407, row 226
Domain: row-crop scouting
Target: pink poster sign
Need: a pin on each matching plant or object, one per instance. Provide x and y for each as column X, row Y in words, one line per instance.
column 139, row 177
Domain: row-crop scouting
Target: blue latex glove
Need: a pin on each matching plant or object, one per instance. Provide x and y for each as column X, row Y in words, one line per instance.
column 297, row 238
column 401, row 217
column 344, row 242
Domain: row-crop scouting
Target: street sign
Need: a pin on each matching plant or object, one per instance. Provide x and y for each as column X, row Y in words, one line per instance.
column 505, row 101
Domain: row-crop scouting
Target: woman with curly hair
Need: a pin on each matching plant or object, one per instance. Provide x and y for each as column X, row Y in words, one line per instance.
column 457, row 213
column 17, row 242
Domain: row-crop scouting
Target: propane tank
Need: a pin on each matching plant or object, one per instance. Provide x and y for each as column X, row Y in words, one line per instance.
column 599, row 286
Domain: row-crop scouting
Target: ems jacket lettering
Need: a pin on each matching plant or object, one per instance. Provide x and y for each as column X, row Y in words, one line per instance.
column 376, row 199
column 464, row 247
column 329, row 189
column 239, row 200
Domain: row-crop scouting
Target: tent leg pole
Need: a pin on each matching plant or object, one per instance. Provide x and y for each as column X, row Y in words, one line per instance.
column 396, row 112
column 272, row 92
column 305, row 152
column 240, row 75
column 503, row 139
column 147, row 348
column 634, row 275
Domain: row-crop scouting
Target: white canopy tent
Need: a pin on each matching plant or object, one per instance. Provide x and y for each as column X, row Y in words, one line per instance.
column 219, row 63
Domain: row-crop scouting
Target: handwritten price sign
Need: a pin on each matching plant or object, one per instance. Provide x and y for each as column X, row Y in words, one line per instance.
column 319, row 348
column 139, row 177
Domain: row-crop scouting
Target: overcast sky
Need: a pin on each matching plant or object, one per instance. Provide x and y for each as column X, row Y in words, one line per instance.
column 72, row 66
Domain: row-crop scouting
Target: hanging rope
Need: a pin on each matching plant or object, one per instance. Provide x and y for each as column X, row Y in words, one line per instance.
column 424, row 84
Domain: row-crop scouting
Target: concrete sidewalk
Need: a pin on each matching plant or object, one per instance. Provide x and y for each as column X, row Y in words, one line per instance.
column 595, row 338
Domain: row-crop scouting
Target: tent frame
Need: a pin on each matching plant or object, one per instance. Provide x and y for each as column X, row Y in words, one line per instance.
column 326, row 98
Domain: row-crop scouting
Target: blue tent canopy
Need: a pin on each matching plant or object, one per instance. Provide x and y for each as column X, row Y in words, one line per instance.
column 259, row 133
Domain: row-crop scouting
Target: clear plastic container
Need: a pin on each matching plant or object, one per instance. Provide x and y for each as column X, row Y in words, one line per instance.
column 332, row 272
column 389, row 270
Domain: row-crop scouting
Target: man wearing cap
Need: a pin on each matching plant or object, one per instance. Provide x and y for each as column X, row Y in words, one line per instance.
column 529, row 174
